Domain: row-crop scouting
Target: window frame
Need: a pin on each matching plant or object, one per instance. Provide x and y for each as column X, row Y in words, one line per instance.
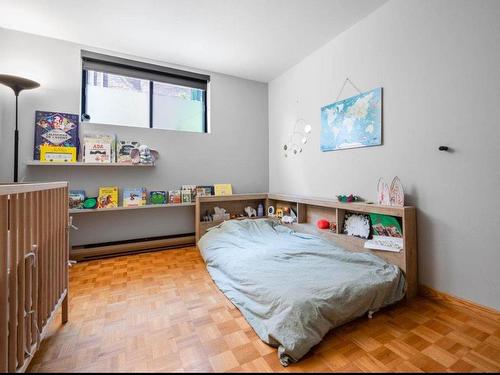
column 145, row 71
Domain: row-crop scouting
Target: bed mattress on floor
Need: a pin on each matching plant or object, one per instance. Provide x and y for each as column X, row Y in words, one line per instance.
column 292, row 288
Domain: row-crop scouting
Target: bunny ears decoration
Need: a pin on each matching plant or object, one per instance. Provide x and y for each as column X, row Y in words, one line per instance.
column 393, row 196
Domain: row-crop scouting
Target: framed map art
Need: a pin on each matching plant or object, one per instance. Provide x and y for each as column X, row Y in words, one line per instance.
column 352, row 122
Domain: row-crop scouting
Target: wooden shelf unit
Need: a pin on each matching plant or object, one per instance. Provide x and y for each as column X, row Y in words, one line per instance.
column 233, row 204
column 309, row 210
column 38, row 163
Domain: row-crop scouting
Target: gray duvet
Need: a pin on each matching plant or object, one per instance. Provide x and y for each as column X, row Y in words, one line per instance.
column 292, row 288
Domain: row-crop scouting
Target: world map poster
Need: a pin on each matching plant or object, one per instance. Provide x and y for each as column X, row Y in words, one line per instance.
column 352, row 122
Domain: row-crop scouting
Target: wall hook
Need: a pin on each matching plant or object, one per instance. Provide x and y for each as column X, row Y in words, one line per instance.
column 443, row 148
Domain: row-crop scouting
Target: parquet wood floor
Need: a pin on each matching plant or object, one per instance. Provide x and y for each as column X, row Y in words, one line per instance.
column 162, row 312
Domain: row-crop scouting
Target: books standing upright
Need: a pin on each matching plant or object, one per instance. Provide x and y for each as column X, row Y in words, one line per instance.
column 56, row 129
column 98, row 148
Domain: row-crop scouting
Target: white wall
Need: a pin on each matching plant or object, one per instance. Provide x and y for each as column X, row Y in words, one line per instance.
column 236, row 150
column 439, row 64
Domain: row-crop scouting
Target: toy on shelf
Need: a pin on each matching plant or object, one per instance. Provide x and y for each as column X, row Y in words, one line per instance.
column 323, row 224
column 260, row 210
column 220, row 214
column 250, row 211
column 143, row 155
column 90, row 203
column 349, row 198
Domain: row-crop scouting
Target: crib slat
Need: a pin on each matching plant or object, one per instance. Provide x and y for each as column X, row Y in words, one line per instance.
column 4, row 225
column 20, row 280
column 14, row 226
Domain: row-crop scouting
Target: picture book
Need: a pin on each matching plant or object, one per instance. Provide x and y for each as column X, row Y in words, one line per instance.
column 186, row 196
column 174, row 196
column 123, row 151
column 134, row 197
column 385, row 225
column 157, row 197
column 57, row 154
column 204, row 191
column 76, row 198
column 223, row 189
column 387, row 233
column 98, row 148
column 108, row 197
column 191, row 188
column 55, row 129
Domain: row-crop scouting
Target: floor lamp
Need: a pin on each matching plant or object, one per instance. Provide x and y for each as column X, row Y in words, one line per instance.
column 17, row 84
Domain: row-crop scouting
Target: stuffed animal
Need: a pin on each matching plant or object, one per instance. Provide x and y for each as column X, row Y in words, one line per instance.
column 251, row 211
column 286, row 219
column 144, row 155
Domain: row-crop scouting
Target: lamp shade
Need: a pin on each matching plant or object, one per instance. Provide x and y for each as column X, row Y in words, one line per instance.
column 18, row 84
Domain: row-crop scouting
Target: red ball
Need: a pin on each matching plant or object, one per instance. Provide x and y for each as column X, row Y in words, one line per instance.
column 323, row 224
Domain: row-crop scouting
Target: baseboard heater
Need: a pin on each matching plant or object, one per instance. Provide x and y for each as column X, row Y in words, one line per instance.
column 128, row 247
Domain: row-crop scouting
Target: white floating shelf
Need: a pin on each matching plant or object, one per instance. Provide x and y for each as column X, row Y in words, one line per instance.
column 82, row 164
column 85, row 211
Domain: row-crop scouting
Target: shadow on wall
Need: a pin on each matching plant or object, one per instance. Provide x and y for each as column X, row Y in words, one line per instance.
column 426, row 238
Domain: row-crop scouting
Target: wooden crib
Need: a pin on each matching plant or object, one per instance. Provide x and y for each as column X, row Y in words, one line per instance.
column 34, row 253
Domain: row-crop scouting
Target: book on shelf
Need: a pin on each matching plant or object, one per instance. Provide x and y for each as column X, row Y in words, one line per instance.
column 99, row 148
column 123, row 151
column 186, row 196
column 76, row 198
column 204, row 191
column 57, row 154
column 108, row 197
column 223, row 189
column 134, row 197
column 157, row 197
column 192, row 189
column 55, row 129
column 174, row 196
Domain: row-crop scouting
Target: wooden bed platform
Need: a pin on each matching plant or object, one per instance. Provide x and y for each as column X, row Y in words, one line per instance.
column 309, row 210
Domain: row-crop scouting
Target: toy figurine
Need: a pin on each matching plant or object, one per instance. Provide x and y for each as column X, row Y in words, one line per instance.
column 144, row 155
column 349, row 198
column 250, row 211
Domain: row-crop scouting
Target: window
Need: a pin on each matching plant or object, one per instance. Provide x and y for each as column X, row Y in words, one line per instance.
column 124, row 92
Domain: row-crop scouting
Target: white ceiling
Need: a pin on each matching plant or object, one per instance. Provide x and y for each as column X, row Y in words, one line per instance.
column 254, row 39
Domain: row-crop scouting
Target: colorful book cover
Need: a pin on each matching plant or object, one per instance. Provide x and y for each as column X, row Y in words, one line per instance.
column 174, row 196
column 385, row 225
column 223, row 189
column 157, row 197
column 186, row 195
column 192, row 188
column 57, row 154
column 134, row 197
column 123, row 151
column 76, row 198
column 98, row 148
column 204, row 191
column 108, row 197
column 55, row 129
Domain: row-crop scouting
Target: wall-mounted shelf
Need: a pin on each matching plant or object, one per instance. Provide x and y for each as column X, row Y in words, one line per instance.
column 38, row 163
column 167, row 205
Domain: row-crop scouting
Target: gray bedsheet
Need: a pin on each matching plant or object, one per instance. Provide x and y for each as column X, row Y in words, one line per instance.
column 292, row 288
